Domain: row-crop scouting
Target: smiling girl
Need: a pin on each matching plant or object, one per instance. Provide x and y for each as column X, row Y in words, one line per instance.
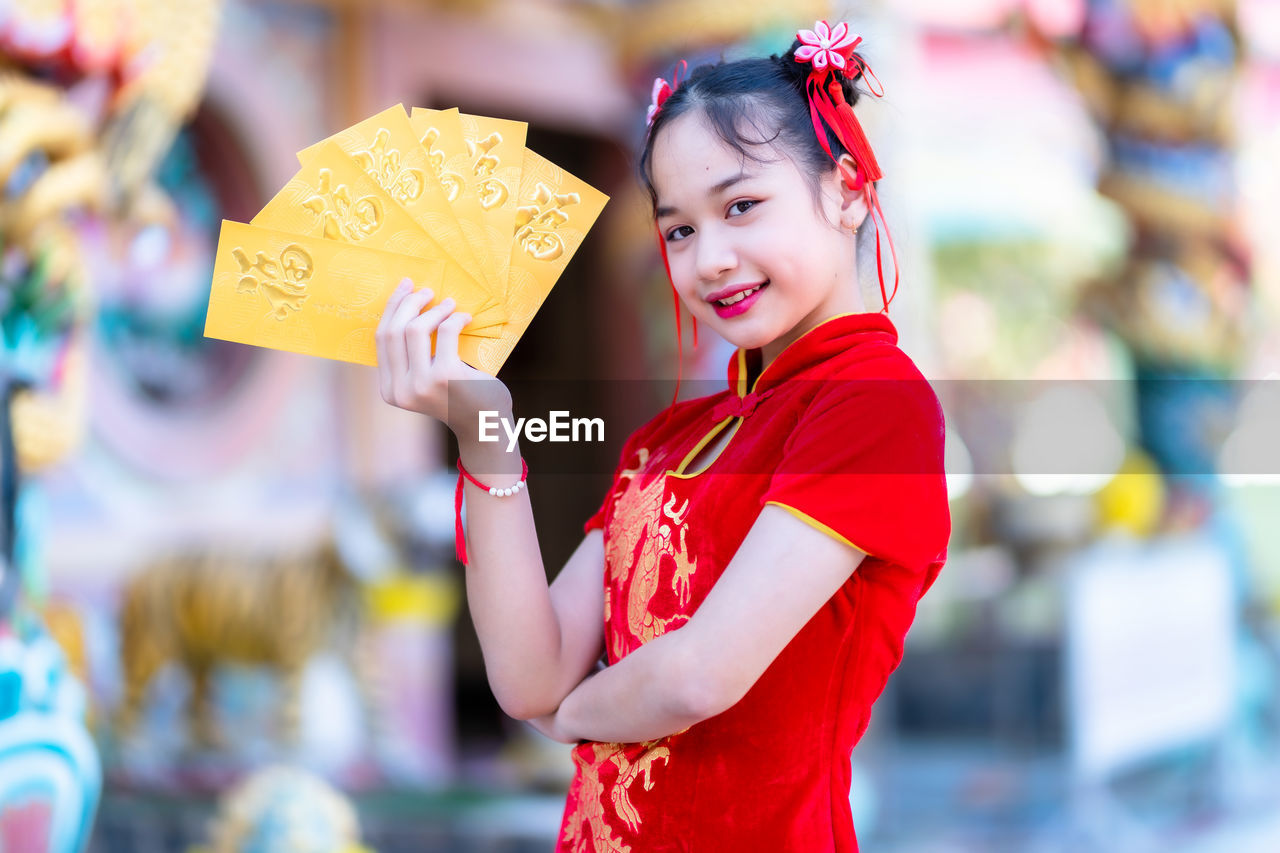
column 751, row 574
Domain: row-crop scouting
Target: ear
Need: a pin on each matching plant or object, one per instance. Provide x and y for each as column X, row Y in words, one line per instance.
column 853, row 200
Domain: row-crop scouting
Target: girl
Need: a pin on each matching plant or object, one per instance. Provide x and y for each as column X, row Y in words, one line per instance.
column 753, row 571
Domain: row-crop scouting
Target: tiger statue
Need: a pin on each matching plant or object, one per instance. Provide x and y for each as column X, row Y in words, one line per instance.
column 204, row 608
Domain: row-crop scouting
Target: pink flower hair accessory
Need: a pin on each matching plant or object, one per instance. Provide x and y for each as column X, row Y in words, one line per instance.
column 663, row 90
column 825, row 46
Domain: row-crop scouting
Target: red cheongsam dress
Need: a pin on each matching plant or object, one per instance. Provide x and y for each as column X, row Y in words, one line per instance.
column 842, row 431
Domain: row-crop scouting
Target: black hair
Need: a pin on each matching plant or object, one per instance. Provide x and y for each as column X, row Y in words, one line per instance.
column 751, row 103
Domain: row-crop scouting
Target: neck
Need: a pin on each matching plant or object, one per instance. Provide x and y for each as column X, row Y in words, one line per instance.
column 849, row 302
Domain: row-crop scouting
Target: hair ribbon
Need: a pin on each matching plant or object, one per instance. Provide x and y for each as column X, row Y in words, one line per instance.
column 661, row 91
column 829, row 50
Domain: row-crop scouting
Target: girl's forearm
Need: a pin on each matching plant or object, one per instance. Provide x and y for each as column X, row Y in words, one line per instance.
column 651, row 693
column 507, row 590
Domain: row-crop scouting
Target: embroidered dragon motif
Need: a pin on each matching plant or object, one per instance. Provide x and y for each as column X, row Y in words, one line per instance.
column 588, row 829
column 647, row 526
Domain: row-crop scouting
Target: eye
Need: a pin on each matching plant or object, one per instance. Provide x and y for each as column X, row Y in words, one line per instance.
column 678, row 233
column 740, row 207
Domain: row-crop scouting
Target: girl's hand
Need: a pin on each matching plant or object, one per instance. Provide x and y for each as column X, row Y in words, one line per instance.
column 439, row 386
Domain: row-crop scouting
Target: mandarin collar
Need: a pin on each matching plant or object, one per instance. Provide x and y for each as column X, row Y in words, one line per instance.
column 830, row 337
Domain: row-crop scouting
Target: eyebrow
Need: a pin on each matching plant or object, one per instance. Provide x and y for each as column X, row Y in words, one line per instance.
column 715, row 190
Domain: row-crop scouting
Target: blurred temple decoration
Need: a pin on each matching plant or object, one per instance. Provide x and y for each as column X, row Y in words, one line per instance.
column 1161, row 79
column 281, row 809
column 91, row 93
column 91, row 96
column 50, row 778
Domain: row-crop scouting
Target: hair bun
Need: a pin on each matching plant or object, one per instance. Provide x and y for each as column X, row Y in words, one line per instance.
column 798, row 70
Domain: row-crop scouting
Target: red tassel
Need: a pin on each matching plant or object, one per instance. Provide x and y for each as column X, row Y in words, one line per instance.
column 815, row 111
column 675, row 300
column 459, row 535
column 827, row 104
column 666, row 265
column 849, row 129
column 876, row 210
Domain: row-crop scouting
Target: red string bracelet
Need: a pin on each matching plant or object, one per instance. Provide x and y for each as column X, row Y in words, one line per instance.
column 459, row 538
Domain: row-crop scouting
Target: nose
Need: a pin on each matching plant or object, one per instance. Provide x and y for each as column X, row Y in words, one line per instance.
column 716, row 254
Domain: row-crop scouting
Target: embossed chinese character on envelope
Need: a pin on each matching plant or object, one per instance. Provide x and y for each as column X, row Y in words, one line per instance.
column 452, row 201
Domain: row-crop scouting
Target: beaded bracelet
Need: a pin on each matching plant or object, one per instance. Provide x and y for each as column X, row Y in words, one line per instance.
column 459, row 539
column 494, row 490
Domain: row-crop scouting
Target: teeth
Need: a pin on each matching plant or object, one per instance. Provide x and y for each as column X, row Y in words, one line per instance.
column 737, row 297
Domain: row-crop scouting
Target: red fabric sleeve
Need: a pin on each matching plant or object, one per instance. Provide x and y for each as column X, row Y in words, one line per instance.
column 864, row 464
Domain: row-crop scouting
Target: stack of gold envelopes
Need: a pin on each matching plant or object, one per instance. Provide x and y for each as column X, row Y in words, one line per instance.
column 453, row 201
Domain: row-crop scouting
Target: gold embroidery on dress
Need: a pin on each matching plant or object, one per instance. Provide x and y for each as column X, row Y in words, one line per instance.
column 644, row 530
column 588, row 830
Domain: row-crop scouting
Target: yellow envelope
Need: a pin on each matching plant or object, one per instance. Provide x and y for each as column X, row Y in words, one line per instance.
column 554, row 212
column 439, row 133
column 333, row 198
column 386, row 147
column 312, row 296
column 495, row 154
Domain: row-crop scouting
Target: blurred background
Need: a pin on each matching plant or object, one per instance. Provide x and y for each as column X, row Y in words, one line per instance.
column 232, row 619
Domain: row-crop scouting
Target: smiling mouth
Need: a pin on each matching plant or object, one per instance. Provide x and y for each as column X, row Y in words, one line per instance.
column 739, row 296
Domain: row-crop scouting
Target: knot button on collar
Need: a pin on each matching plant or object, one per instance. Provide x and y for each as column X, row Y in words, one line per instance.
column 739, row 407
